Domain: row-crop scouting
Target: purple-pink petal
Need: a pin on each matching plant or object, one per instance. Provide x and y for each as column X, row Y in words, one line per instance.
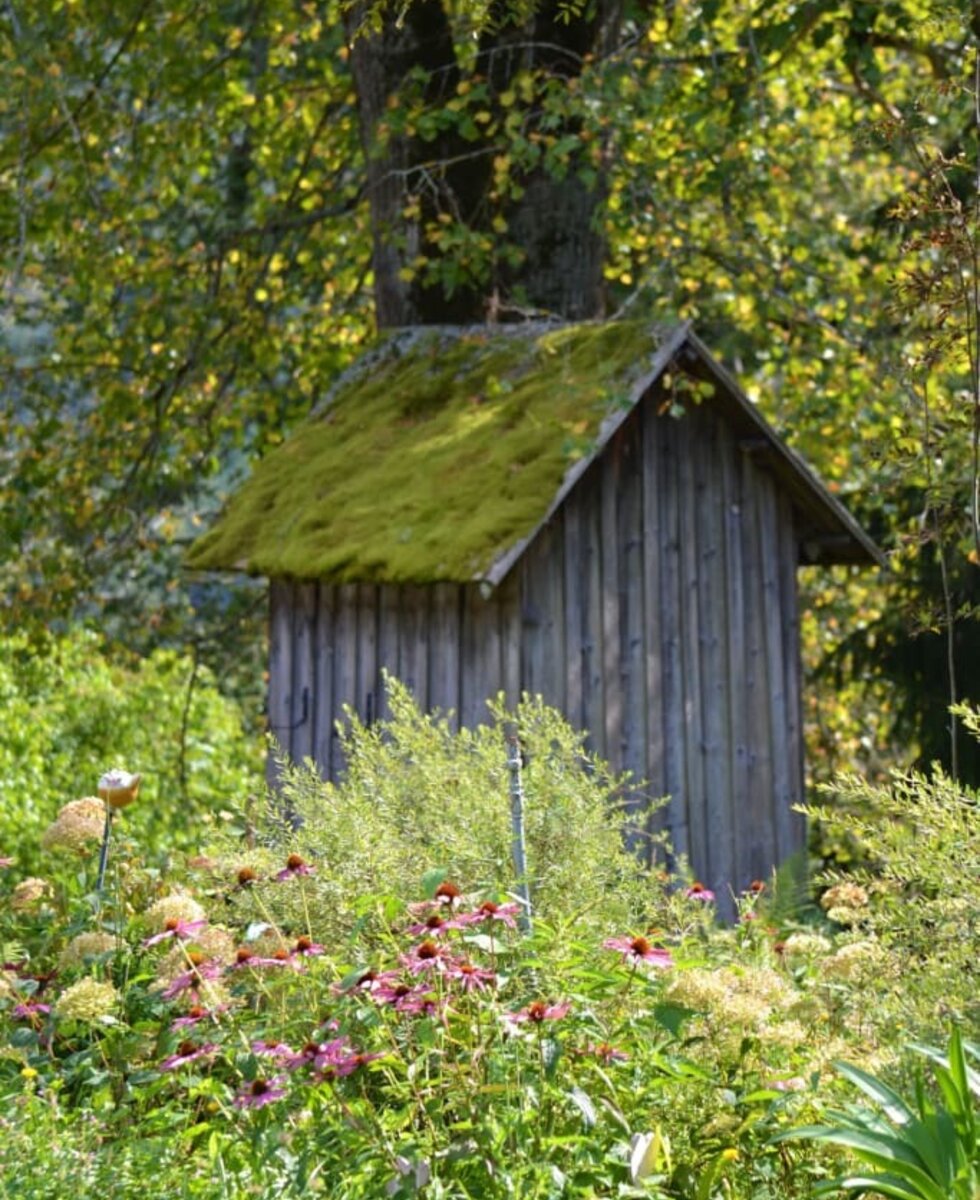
column 260, row 1092
column 182, row 1057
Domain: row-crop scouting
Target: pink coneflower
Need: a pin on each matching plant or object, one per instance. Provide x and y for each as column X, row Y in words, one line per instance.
column 176, row 928
column 195, row 1015
column 471, row 978
column 306, row 947
column 277, row 1050
column 697, row 891
column 538, row 1011
column 248, row 958
column 604, row 1052
column 419, row 1000
column 756, row 887
column 260, row 1092
column 190, row 981
column 447, row 893
column 489, row 910
column 316, row 1054
column 639, row 949
column 187, row 1052
column 347, row 1062
column 295, row 865
column 426, row 956
column 29, row 1010
column 433, row 925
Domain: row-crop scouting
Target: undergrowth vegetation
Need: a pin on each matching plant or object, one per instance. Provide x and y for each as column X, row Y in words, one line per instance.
column 341, row 995
column 70, row 709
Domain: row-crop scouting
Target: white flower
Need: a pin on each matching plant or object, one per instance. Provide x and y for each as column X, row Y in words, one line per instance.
column 119, row 788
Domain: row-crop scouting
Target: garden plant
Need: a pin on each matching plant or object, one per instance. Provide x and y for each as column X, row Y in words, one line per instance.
column 336, row 995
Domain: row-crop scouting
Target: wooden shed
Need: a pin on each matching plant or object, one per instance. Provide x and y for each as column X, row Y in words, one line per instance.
column 595, row 513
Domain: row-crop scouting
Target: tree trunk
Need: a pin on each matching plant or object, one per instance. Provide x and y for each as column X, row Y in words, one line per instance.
column 419, row 188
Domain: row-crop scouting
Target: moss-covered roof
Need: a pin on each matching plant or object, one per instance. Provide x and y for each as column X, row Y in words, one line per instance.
column 433, row 456
column 440, row 452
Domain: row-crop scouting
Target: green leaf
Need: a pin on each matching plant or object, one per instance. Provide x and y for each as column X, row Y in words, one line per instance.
column 584, row 1104
column 894, row 1106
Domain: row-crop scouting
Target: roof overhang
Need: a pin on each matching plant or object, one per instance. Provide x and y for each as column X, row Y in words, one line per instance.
column 828, row 533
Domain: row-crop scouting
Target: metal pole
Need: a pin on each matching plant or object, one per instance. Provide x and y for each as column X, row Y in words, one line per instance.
column 104, row 852
column 518, row 848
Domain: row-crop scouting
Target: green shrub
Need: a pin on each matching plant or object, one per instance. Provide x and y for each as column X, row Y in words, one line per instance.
column 417, row 795
column 920, row 836
column 71, row 711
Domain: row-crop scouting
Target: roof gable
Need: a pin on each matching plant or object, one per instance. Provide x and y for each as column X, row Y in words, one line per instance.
column 441, row 452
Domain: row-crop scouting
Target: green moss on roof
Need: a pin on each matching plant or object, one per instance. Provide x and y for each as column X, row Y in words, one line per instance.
column 432, row 456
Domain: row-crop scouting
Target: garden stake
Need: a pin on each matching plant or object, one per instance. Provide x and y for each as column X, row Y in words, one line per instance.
column 104, row 852
column 517, row 828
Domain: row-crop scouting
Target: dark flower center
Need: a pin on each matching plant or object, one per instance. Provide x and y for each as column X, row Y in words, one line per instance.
column 402, row 990
column 243, row 955
column 640, row 946
column 196, row 1011
column 434, row 921
column 303, row 943
column 311, row 1050
column 196, row 958
column 185, row 1048
column 428, row 950
column 246, row 876
column 448, row 892
column 259, row 1087
column 281, row 955
column 467, row 969
column 537, row 1011
column 171, row 924
column 757, row 886
column 294, row 862
column 488, row 908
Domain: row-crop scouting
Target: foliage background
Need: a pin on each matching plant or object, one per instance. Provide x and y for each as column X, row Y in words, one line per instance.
column 71, row 711
column 184, row 210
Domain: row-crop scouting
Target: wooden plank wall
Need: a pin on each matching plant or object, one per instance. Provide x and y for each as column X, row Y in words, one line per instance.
column 677, row 650
column 657, row 609
column 452, row 647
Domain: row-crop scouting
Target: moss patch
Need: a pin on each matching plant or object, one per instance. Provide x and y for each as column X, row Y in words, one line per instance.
column 433, row 455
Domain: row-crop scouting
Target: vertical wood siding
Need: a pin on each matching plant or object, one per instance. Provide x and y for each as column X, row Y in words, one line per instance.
column 657, row 609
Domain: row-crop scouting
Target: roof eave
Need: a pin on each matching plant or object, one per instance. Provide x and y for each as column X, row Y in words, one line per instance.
column 832, row 535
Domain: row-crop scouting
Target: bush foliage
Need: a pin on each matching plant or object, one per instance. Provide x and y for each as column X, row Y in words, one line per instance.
column 341, row 999
column 71, row 710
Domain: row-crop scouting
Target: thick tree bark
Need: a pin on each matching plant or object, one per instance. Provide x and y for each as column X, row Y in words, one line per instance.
column 554, row 220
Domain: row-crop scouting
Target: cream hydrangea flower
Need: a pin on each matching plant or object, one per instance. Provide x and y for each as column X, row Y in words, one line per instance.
column 736, row 1001
column 79, row 825
column 84, row 946
column 178, row 906
column 29, row 893
column 853, row 961
column 844, row 895
column 806, row 946
column 88, row 1000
